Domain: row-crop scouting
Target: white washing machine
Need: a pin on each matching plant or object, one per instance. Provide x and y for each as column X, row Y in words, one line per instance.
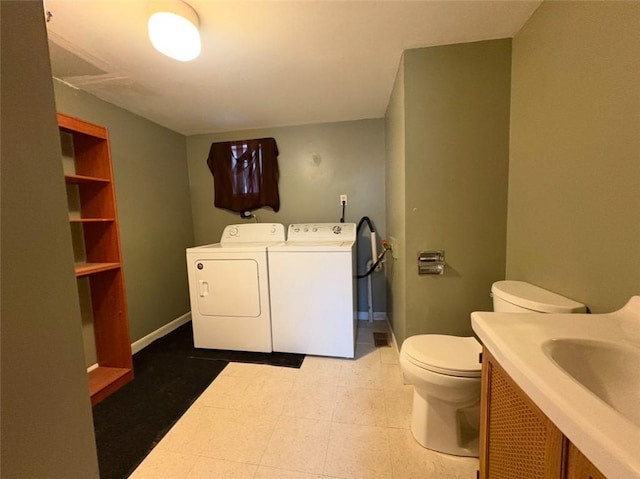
column 312, row 290
column 229, row 288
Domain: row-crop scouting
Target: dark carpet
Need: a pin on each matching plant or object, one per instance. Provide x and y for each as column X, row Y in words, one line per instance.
column 169, row 375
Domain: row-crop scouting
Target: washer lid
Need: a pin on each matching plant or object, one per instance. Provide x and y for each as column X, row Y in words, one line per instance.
column 450, row 355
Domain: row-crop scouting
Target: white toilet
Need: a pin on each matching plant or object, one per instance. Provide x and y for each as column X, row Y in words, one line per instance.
column 445, row 372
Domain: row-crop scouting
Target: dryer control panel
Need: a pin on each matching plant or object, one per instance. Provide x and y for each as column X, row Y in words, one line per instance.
column 253, row 233
column 322, row 232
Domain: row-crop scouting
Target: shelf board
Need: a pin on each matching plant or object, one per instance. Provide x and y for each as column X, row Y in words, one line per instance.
column 91, row 220
column 83, row 269
column 77, row 179
column 104, row 381
column 75, row 125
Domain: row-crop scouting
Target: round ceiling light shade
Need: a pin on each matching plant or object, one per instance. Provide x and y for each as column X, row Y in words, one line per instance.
column 173, row 29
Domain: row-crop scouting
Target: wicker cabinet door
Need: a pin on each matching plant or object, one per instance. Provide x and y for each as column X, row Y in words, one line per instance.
column 579, row 467
column 518, row 440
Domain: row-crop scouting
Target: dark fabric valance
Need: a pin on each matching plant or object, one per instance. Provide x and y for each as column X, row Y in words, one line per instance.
column 245, row 174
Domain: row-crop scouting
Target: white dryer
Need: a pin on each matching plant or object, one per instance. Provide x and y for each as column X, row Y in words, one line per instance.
column 312, row 290
column 229, row 288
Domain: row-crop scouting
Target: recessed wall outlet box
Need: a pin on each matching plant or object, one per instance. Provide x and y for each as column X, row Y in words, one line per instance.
column 394, row 247
column 343, row 199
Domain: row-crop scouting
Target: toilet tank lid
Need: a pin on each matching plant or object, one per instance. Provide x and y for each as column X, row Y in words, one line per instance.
column 529, row 296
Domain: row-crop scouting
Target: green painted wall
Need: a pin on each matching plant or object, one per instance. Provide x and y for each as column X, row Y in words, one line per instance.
column 152, row 192
column 46, row 428
column 456, row 151
column 395, row 180
column 317, row 163
column 574, row 177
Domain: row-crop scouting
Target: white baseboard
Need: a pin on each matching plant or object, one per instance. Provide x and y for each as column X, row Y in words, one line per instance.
column 92, row 367
column 151, row 337
column 377, row 316
column 185, row 318
column 158, row 333
column 393, row 337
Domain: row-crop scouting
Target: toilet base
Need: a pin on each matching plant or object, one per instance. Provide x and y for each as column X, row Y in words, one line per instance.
column 443, row 427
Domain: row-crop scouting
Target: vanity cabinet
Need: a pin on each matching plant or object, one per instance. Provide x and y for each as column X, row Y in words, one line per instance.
column 517, row 440
column 579, row 467
column 93, row 220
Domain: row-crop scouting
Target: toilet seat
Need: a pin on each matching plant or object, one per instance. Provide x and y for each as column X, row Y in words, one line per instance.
column 449, row 355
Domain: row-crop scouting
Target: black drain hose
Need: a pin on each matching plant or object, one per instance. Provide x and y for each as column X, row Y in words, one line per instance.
column 374, row 265
column 365, row 219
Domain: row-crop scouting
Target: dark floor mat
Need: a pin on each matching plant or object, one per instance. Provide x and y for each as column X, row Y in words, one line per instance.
column 169, row 375
column 180, row 341
column 129, row 423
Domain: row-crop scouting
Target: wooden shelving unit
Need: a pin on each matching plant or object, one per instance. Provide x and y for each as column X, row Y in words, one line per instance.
column 89, row 179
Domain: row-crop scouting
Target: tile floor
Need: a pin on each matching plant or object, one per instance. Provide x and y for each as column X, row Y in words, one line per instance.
column 332, row 418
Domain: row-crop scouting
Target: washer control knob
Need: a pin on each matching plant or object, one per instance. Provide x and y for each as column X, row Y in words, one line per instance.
column 306, row 230
column 337, row 230
column 315, row 230
column 233, row 231
column 296, row 229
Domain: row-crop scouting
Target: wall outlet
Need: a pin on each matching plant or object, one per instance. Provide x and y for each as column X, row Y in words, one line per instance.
column 343, row 199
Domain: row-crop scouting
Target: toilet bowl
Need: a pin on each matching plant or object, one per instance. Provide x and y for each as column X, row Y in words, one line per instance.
column 445, row 372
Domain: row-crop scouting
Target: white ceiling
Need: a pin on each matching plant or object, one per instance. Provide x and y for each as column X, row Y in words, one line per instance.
column 263, row 63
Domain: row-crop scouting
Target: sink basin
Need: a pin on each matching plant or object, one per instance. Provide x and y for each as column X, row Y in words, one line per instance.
column 607, row 369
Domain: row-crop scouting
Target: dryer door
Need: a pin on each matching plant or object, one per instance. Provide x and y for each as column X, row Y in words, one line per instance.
column 227, row 287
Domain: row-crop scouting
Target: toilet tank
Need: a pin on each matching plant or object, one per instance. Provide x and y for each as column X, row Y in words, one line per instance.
column 521, row 297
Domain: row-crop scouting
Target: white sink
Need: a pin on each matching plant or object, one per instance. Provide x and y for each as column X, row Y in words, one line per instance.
column 609, row 370
column 582, row 371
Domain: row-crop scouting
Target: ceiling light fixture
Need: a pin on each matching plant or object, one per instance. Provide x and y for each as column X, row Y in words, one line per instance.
column 173, row 29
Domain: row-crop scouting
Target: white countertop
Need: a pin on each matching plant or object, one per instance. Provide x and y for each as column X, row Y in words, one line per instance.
column 607, row 438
